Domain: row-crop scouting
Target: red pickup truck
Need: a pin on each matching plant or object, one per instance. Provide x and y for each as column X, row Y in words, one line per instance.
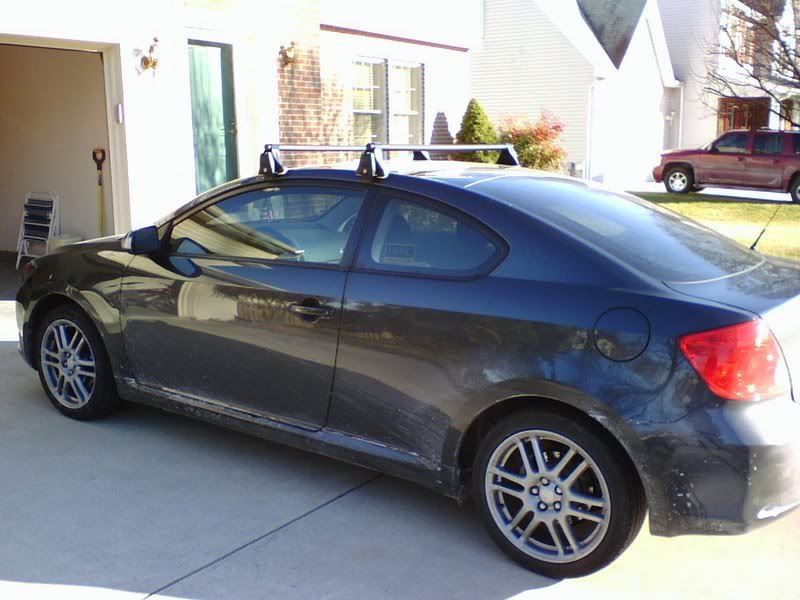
column 760, row 159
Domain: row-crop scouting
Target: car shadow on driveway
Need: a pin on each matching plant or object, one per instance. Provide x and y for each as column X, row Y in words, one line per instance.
column 145, row 501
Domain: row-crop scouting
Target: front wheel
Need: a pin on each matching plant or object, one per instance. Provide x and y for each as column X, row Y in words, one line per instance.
column 794, row 190
column 73, row 366
column 679, row 180
column 555, row 495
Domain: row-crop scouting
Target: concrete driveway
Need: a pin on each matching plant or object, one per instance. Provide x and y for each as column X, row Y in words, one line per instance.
column 147, row 504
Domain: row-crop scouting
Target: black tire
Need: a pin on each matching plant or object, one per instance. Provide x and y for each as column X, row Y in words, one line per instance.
column 102, row 397
column 687, row 176
column 627, row 500
column 794, row 190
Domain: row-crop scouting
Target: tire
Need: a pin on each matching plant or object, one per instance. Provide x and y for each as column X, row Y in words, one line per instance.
column 794, row 190
column 679, row 180
column 614, row 517
column 73, row 365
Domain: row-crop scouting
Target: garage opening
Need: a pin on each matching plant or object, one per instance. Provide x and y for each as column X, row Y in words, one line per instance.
column 52, row 117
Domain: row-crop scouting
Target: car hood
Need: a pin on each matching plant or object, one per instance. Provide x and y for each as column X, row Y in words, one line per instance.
column 111, row 242
column 682, row 152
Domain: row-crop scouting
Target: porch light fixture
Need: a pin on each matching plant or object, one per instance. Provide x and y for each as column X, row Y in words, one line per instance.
column 150, row 59
column 288, row 55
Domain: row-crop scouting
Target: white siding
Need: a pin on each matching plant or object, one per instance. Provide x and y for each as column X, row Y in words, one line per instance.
column 526, row 65
column 690, row 26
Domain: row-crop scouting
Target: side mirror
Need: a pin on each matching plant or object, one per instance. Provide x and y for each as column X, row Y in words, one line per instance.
column 713, row 150
column 142, row 241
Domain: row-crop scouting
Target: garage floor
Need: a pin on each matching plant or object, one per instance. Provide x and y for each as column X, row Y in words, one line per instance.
column 150, row 504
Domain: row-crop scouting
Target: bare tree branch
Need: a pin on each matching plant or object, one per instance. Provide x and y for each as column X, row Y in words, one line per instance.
column 756, row 55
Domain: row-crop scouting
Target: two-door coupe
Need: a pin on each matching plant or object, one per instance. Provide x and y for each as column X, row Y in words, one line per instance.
column 570, row 356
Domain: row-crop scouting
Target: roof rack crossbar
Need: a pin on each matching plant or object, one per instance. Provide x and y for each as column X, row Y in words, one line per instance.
column 369, row 166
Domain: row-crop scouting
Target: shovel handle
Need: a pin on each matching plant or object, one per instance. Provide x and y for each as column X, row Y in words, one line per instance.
column 99, row 157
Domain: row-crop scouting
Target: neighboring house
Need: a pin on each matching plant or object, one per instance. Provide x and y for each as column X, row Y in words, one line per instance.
column 694, row 45
column 74, row 80
column 601, row 66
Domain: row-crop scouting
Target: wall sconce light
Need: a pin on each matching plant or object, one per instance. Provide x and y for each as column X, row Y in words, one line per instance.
column 288, row 55
column 150, row 59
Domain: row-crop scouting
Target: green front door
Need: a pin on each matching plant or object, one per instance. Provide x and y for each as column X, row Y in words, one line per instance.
column 213, row 115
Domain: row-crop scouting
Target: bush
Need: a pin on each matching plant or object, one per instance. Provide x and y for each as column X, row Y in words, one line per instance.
column 476, row 128
column 537, row 143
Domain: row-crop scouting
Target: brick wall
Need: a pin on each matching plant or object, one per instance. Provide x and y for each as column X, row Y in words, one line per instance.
column 310, row 104
column 315, row 90
column 299, row 84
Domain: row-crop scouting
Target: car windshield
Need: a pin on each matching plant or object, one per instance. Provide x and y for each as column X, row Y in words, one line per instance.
column 653, row 240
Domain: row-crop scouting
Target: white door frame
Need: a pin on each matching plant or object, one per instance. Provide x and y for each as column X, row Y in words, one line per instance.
column 115, row 121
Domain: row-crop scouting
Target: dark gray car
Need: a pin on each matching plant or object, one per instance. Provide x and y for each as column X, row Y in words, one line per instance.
column 572, row 357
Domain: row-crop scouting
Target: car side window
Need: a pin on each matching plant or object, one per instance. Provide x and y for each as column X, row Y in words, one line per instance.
column 427, row 238
column 768, row 143
column 796, row 142
column 732, row 143
column 294, row 223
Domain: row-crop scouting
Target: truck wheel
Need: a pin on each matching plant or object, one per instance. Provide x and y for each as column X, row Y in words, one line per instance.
column 794, row 190
column 679, row 180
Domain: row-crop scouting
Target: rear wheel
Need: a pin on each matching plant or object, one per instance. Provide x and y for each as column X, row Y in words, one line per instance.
column 555, row 495
column 679, row 180
column 73, row 366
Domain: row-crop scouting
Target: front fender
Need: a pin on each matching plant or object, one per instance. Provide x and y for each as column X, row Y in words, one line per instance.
column 91, row 280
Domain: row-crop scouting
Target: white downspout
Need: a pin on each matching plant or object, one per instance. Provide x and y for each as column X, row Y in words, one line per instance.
column 682, row 105
column 587, row 167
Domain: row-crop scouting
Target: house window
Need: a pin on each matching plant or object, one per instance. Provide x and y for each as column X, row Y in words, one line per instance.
column 387, row 102
column 369, row 101
column 742, row 113
column 406, row 104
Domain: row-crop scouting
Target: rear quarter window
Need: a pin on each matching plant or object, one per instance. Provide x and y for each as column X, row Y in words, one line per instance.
column 648, row 238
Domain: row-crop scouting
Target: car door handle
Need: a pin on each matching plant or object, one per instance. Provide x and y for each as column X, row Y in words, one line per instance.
column 740, row 158
column 314, row 312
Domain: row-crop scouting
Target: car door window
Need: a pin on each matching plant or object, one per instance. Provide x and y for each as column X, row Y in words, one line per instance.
column 768, row 143
column 427, row 238
column 732, row 143
column 302, row 224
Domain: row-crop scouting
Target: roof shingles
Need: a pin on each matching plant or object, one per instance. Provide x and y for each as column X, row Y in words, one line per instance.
column 613, row 23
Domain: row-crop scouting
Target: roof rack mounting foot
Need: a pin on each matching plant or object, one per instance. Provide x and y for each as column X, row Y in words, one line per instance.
column 369, row 166
column 270, row 164
column 508, row 156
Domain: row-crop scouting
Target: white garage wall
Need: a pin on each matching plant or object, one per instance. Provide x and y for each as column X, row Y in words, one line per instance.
column 52, row 114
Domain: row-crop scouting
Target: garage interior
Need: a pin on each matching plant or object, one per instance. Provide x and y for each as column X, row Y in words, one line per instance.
column 52, row 117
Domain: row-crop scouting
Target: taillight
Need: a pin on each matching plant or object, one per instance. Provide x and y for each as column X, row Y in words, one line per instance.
column 740, row 362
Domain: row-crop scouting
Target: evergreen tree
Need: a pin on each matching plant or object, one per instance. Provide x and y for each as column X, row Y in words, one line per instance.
column 476, row 128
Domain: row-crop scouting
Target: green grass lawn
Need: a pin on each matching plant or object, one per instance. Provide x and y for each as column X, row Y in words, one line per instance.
column 741, row 220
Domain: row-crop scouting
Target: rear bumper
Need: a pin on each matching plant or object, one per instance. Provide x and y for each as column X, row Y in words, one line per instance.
column 743, row 474
column 658, row 174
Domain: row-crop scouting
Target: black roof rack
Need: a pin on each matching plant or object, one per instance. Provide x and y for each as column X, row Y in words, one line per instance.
column 369, row 166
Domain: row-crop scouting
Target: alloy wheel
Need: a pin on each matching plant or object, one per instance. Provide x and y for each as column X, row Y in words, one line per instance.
column 68, row 364
column 547, row 496
column 678, row 181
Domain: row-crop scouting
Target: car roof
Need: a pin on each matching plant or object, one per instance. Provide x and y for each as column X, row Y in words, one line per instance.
column 414, row 175
column 759, row 130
